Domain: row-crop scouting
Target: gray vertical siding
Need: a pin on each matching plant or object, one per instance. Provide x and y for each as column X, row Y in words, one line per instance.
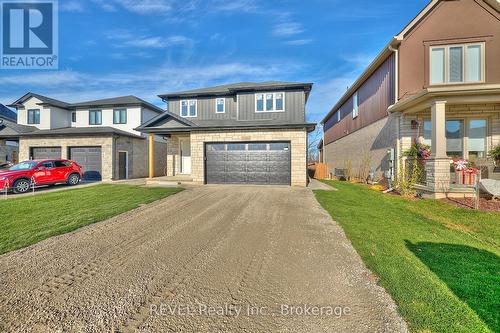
column 242, row 108
column 294, row 108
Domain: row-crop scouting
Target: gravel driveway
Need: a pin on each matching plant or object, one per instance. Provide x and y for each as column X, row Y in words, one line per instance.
column 210, row 259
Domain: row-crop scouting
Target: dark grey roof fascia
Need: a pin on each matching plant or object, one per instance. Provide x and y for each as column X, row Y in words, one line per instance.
column 117, row 101
column 44, row 99
column 309, row 126
column 233, row 88
column 77, row 131
column 162, row 116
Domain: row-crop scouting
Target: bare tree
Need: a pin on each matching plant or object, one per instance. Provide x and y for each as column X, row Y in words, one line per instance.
column 312, row 143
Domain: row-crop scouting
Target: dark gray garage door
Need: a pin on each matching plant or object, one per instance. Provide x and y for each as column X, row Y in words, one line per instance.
column 45, row 153
column 90, row 158
column 248, row 163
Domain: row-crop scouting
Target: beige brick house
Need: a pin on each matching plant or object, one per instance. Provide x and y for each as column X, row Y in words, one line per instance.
column 99, row 135
column 244, row 133
column 437, row 82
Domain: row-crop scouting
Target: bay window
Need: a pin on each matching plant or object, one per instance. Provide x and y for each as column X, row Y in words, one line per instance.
column 457, row 64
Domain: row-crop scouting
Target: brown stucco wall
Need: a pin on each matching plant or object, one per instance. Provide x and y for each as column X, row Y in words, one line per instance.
column 451, row 22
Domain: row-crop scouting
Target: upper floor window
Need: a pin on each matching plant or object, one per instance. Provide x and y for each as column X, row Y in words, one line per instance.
column 457, row 64
column 120, row 116
column 73, row 117
column 95, row 117
column 355, row 105
column 270, row 102
column 33, row 117
column 220, row 105
column 189, row 108
column 338, row 116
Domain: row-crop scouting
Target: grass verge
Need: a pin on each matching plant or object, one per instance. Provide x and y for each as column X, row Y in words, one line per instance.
column 28, row 220
column 440, row 263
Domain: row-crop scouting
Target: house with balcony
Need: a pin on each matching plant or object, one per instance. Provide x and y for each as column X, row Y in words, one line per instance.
column 437, row 82
column 242, row 133
column 100, row 135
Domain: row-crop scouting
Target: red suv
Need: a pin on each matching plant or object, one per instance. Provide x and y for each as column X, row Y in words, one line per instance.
column 19, row 177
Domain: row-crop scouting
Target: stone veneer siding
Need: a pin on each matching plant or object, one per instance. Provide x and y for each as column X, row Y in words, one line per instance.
column 297, row 138
column 137, row 152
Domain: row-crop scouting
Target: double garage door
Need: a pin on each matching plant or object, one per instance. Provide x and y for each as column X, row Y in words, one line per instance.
column 266, row 163
column 90, row 158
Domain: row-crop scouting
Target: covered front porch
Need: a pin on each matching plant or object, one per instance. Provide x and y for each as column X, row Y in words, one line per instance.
column 459, row 129
column 178, row 160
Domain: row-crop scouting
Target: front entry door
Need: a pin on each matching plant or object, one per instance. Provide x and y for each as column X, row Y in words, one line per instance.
column 185, row 150
column 122, row 165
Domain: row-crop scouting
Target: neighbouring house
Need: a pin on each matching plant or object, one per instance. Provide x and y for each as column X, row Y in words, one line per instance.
column 244, row 133
column 437, row 82
column 9, row 147
column 99, row 135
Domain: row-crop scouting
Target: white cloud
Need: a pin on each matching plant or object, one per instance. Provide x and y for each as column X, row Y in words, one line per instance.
column 326, row 94
column 235, row 5
column 298, row 42
column 124, row 38
column 75, row 86
column 287, row 29
column 156, row 7
column 72, row 6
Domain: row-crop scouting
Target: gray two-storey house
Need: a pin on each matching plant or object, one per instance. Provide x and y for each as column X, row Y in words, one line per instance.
column 244, row 133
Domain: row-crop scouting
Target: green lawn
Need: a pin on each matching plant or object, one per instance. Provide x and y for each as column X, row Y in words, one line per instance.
column 27, row 220
column 440, row 263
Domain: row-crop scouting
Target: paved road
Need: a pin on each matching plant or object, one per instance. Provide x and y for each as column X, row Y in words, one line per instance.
column 210, row 259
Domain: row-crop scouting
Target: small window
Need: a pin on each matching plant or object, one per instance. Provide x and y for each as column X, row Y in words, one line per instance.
column 235, row 146
column 120, row 116
column 279, row 102
column 217, row 147
column 189, row 108
column 220, row 106
column 260, row 102
column 269, row 102
column 338, row 116
column 456, row 62
column 473, row 65
column 184, row 108
column 278, row 146
column 33, row 117
column 257, row 146
column 73, row 117
column 355, row 106
column 95, row 117
column 477, row 138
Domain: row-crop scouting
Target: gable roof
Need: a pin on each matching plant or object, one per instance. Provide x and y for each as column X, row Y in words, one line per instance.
column 82, row 131
column 44, row 99
column 115, row 101
column 7, row 113
column 228, row 89
column 11, row 129
column 390, row 48
column 164, row 117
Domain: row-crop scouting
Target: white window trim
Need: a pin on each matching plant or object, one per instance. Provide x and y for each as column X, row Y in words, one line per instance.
column 223, row 105
column 464, row 62
column 355, row 106
column 188, row 102
column 274, row 101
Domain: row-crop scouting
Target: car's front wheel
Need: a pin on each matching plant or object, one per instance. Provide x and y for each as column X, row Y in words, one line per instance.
column 73, row 179
column 21, row 186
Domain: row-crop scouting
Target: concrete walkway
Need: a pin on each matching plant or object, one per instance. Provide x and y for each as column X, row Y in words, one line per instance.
column 209, row 259
column 315, row 184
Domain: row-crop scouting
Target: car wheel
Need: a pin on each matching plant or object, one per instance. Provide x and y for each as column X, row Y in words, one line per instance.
column 73, row 179
column 22, row 186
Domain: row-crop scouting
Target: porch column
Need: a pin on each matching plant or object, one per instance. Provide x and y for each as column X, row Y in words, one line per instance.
column 438, row 165
column 151, row 155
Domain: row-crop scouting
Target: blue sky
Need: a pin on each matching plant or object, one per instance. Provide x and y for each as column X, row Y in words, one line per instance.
column 124, row 47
